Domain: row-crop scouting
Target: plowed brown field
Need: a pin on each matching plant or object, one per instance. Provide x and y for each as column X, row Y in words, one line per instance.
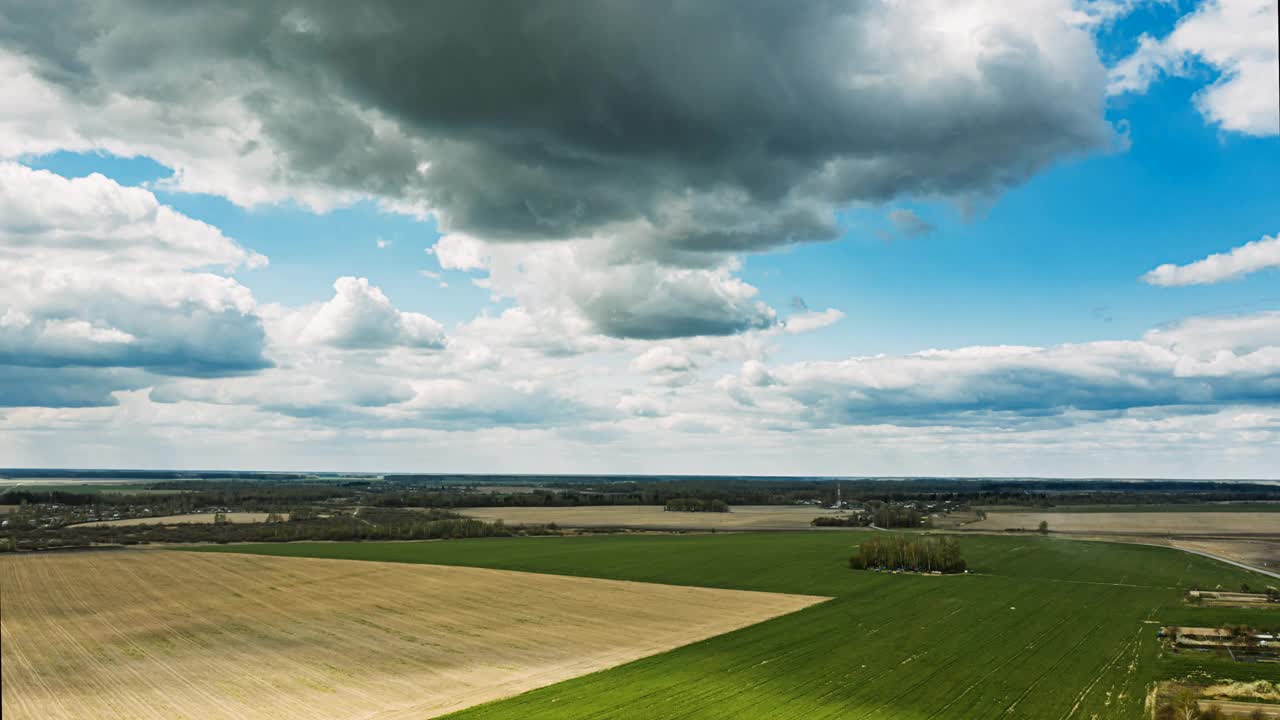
column 162, row 634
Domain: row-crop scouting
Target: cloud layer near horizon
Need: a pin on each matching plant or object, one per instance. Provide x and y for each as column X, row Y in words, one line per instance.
column 189, row 339
column 1200, row 363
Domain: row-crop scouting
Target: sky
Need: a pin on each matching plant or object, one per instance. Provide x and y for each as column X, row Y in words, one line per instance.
column 950, row 238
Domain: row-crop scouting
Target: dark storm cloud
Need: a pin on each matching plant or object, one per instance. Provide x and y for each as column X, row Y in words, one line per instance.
column 646, row 323
column 720, row 126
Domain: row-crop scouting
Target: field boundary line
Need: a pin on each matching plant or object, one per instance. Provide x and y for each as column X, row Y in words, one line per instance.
column 819, row 598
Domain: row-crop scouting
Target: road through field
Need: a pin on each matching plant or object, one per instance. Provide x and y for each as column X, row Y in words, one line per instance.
column 1242, row 709
column 1229, row 561
column 159, row 634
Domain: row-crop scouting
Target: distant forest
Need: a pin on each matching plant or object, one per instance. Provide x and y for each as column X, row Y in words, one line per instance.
column 450, row 491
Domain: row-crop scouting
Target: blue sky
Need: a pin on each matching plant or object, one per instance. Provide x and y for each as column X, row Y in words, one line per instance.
column 667, row 325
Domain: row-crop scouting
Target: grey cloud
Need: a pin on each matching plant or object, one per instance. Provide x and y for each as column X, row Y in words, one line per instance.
column 185, row 339
column 65, row 387
column 474, row 404
column 622, row 320
column 488, row 408
column 379, row 395
column 572, row 283
column 650, row 304
column 343, row 387
column 909, row 224
column 725, row 126
column 1016, row 395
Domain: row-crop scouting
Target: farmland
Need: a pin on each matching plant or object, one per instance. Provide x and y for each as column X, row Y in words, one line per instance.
column 742, row 517
column 1043, row 628
column 162, row 634
column 1185, row 507
column 200, row 518
column 1250, row 552
column 1165, row 523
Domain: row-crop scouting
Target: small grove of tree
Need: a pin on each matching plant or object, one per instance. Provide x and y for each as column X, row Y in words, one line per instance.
column 1184, row 704
column 895, row 516
column 927, row 554
column 696, row 505
column 1044, row 527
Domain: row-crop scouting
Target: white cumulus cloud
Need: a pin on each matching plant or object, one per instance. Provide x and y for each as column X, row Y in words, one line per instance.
column 1237, row 39
column 1248, row 258
column 1203, row 363
column 100, row 276
column 360, row 316
column 809, row 321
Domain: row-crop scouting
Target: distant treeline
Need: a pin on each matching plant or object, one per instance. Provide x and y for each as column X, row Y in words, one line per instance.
column 249, row 497
column 880, row 515
column 260, row 495
column 443, row 491
column 925, row 554
column 731, row 493
column 276, row 491
column 369, row 525
column 696, row 505
column 33, row 473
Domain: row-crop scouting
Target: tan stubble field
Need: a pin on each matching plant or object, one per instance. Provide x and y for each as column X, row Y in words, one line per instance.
column 1164, row 523
column 167, row 634
column 194, row 518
